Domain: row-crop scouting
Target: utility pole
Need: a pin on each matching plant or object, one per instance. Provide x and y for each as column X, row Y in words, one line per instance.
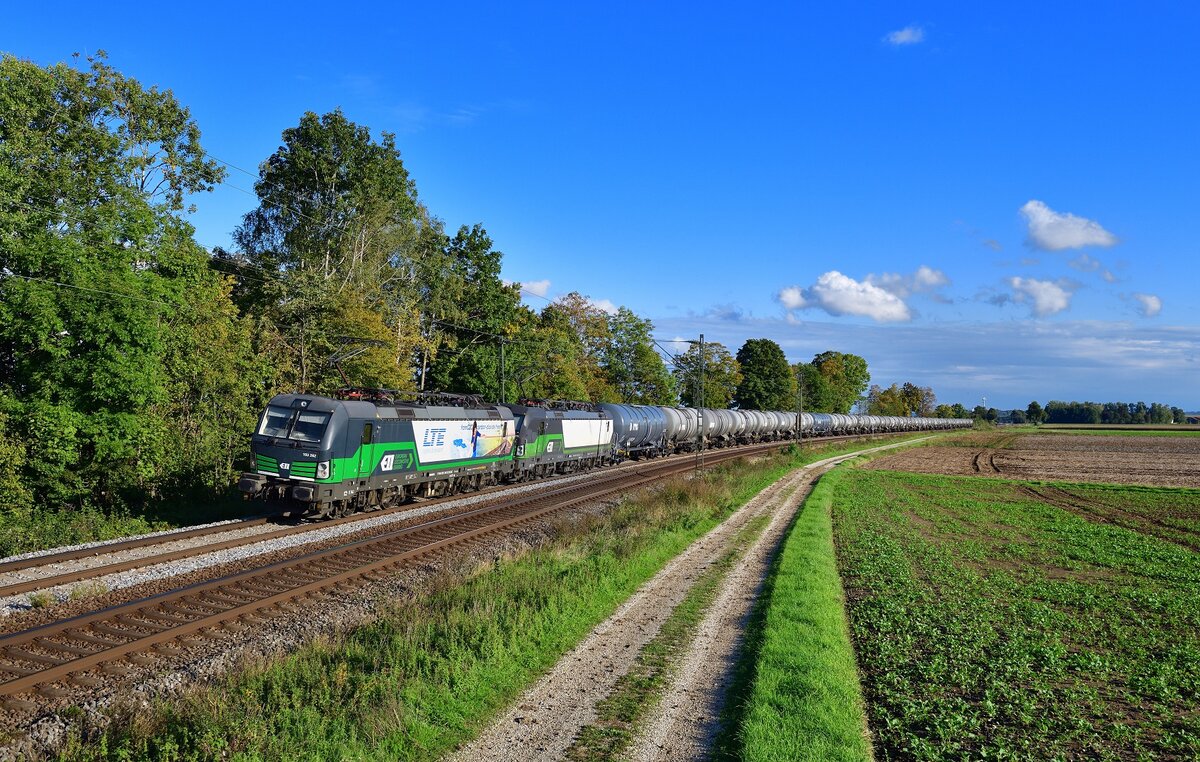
column 800, row 407
column 503, row 378
column 699, row 411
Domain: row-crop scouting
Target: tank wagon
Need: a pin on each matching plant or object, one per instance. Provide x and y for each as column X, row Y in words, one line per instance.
column 641, row 429
column 370, row 449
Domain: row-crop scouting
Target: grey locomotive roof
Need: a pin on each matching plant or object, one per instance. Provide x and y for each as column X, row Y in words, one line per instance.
column 360, row 409
column 438, row 412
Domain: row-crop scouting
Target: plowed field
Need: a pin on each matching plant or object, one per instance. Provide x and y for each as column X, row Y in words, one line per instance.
column 1156, row 461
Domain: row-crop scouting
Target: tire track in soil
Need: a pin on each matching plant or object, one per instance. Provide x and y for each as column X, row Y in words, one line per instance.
column 984, row 461
column 1101, row 513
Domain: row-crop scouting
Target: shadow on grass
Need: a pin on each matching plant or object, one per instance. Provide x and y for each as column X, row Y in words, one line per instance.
column 729, row 744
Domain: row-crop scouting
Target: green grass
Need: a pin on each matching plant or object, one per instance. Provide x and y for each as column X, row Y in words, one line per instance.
column 26, row 530
column 989, row 624
column 428, row 675
column 804, row 701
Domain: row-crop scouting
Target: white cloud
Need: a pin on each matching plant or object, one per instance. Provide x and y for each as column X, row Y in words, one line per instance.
column 1108, row 276
column 1043, row 297
column 1009, row 361
column 1085, row 263
column 1054, row 231
column 792, row 298
column 536, row 287
column 1151, row 305
column 925, row 280
column 604, row 305
column 838, row 295
column 909, row 35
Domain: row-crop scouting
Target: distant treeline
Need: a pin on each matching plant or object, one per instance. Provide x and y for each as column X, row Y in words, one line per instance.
column 1112, row 412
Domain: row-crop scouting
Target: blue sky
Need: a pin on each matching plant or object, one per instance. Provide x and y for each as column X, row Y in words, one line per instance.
column 995, row 202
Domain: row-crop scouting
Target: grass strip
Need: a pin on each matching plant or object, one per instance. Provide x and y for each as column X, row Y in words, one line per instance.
column 640, row 689
column 805, row 701
column 1070, row 432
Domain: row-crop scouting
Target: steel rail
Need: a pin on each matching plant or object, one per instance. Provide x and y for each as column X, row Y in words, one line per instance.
column 36, row 658
column 136, row 542
column 80, row 575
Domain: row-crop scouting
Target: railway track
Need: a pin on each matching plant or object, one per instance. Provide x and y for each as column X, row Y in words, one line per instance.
column 53, row 658
column 93, row 572
column 48, row 581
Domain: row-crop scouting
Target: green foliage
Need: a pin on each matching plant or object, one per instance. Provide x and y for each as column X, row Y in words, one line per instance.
column 951, row 411
column 580, row 333
column 633, row 368
column 1110, row 412
column 343, row 243
column 473, row 308
column 901, row 400
column 721, row 375
column 1034, row 413
column 15, row 496
column 833, row 382
column 767, row 380
column 115, row 332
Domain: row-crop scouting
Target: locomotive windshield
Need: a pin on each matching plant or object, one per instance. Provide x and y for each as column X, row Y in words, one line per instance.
column 297, row 425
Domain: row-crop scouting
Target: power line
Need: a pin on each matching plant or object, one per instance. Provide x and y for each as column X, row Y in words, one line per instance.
column 85, row 288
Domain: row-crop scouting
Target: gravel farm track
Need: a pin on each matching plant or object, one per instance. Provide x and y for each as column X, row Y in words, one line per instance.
column 115, row 624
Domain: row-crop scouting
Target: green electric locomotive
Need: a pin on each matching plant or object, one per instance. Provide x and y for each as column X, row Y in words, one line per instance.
column 324, row 457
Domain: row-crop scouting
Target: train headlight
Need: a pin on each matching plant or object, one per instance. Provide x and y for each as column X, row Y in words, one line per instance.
column 323, row 470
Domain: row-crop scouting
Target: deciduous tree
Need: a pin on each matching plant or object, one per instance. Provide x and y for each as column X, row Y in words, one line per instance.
column 346, row 250
column 633, row 368
column 124, row 365
column 845, row 377
column 721, row 375
column 767, row 380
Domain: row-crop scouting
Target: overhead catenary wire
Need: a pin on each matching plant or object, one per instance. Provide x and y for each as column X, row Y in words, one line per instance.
column 83, row 288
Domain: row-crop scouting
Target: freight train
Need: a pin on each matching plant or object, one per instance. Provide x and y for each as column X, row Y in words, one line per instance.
column 369, row 449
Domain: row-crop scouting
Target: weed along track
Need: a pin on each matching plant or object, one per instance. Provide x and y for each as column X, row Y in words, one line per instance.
column 57, row 659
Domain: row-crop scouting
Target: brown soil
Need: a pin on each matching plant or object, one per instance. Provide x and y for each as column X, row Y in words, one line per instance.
column 1155, row 461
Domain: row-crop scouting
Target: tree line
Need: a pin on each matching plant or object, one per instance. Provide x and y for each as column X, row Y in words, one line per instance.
column 134, row 362
column 1057, row 411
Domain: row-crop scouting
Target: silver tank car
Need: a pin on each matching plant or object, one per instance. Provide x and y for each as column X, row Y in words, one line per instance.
column 637, row 429
column 681, row 426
